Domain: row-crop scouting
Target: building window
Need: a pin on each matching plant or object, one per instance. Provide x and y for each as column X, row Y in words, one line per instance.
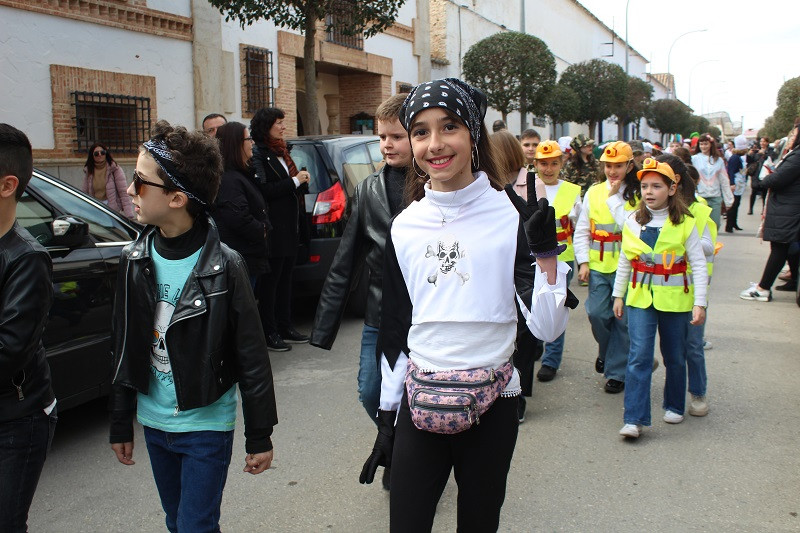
column 258, row 82
column 119, row 121
column 341, row 12
column 404, row 87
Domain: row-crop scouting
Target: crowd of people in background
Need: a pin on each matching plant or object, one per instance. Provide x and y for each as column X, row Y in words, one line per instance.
column 636, row 222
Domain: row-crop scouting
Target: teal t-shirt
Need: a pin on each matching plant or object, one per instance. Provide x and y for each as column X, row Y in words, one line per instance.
column 159, row 408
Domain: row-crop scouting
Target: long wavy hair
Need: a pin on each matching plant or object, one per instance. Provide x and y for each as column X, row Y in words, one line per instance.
column 90, row 159
column 415, row 183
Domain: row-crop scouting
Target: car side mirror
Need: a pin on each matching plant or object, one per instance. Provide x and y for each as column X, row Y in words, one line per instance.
column 69, row 231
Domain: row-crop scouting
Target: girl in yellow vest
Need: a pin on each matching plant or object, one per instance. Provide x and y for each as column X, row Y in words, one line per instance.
column 707, row 230
column 658, row 240
column 565, row 197
column 598, row 236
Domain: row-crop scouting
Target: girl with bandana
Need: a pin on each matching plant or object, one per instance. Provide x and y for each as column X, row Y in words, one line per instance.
column 451, row 274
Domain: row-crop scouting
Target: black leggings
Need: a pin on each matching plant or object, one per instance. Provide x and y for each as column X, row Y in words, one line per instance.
column 275, row 295
column 779, row 253
column 480, row 457
column 753, row 194
column 733, row 214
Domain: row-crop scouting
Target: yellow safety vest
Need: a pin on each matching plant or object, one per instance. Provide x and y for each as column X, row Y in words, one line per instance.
column 604, row 234
column 702, row 218
column 659, row 275
column 562, row 203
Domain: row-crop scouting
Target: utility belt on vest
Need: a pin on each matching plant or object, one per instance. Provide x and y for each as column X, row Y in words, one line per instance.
column 648, row 269
column 603, row 237
column 566, row 231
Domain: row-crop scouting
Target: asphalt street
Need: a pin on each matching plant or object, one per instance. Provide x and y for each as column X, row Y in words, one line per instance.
column 738, row 469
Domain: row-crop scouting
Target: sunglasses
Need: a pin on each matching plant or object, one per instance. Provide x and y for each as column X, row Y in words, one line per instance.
column 98, row 153
column 138, row 182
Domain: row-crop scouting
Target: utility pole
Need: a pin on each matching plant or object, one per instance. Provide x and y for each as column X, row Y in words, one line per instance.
column 523, row 115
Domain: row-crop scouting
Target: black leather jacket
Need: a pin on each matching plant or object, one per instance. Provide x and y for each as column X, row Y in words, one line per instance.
column 215, row 338
column 26, row 294
column 362, row 245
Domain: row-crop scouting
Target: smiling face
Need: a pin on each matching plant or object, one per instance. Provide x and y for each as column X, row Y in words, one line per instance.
column 548, row 169
column 442, row 147
column 616, row 171
column 656, row 191
column 705, row 147
column 394, row 144
column 529, row 145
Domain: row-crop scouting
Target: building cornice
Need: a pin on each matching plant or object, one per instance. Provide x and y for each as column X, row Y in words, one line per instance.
column 114, row 14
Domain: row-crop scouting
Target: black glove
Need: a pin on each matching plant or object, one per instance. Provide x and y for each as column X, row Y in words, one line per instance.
column 382, row 450
column 539, row 220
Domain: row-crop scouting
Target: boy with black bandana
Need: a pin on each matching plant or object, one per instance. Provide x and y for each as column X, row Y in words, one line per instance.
column 376, row 200
column 186, row 330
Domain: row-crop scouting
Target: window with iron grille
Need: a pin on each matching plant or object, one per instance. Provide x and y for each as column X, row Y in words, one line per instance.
column 258, row 81
column 341, row 11
column 119, row 121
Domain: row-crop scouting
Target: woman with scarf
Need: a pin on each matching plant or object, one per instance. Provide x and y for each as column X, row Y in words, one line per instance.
column 280, row 183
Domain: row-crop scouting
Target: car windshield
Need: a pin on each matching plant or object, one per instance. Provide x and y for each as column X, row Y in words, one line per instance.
column 103, row 227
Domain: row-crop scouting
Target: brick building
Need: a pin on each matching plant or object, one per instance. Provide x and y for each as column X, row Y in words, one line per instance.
column 106, row 70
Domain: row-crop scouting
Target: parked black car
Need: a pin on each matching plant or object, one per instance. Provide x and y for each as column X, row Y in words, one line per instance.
column 84, row 238
column 337, row 163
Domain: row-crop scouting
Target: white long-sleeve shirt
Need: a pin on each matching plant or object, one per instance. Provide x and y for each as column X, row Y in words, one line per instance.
column 450, row 290
column 582, row 239
column 714, row 181
column 694, row 254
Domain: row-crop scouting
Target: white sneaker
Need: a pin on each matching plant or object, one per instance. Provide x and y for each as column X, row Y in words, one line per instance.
column 707, row 345
column 671, row 417
column 698, row 406
column 631, row 431
column 752, row 293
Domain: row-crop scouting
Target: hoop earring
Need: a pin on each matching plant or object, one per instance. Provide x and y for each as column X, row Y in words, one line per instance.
column 475, row 156
column 415, row 165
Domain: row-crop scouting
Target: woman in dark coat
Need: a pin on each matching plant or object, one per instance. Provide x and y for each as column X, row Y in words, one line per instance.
column 240, row 211
column 280, row 183
column 781, row 223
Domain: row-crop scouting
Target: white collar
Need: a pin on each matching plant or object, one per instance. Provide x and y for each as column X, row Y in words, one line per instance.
column 460, row 196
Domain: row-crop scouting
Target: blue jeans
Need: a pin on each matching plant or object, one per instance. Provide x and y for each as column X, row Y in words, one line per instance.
column 610, row 332
column 554, row 350
column 24, row 443
column 190, row 470
column 369, row 374
column 696, row 359
column 672, row 332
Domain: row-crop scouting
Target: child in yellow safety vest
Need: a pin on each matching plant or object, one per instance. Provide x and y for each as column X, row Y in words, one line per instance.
column 659, row 241
column 597, row 240
column 707, row 230
column 565, row 197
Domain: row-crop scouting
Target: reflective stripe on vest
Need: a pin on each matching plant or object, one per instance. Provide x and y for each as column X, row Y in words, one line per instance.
column 604, row 235
column 565, row 198
column 702, row 217
column 666, row 285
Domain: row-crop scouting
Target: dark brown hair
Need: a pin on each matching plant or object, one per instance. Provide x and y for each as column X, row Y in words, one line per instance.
column 16, row 157
column 415, row 183
column 676, row 207
column 231, row 145
column 713, row 151
column 686, row 185
column 90, row 160
column 684, row 154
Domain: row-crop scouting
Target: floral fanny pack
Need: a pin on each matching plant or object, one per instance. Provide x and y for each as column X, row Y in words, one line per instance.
column 451, row 401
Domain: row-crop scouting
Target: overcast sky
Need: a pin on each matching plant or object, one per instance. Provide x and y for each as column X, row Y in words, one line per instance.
column 737, row 65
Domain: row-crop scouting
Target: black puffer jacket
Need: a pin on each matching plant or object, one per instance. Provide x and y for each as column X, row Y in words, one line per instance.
column 215, row 339
column 782, row 221
column 26, row 294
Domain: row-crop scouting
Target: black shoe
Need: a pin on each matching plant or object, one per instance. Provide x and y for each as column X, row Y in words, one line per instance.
column 546, row 373
column 613, row 386
column 599, row 365
column 387, row 474
column 749, row 212
column 728, row 230
column 521, row 405
column 789, row 286
column 292, row 336
column 738, row 228
column 275, row 343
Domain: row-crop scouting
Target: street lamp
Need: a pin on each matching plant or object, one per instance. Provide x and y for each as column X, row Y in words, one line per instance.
column 691, row 72
column 669, row 54
column 703, row 98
